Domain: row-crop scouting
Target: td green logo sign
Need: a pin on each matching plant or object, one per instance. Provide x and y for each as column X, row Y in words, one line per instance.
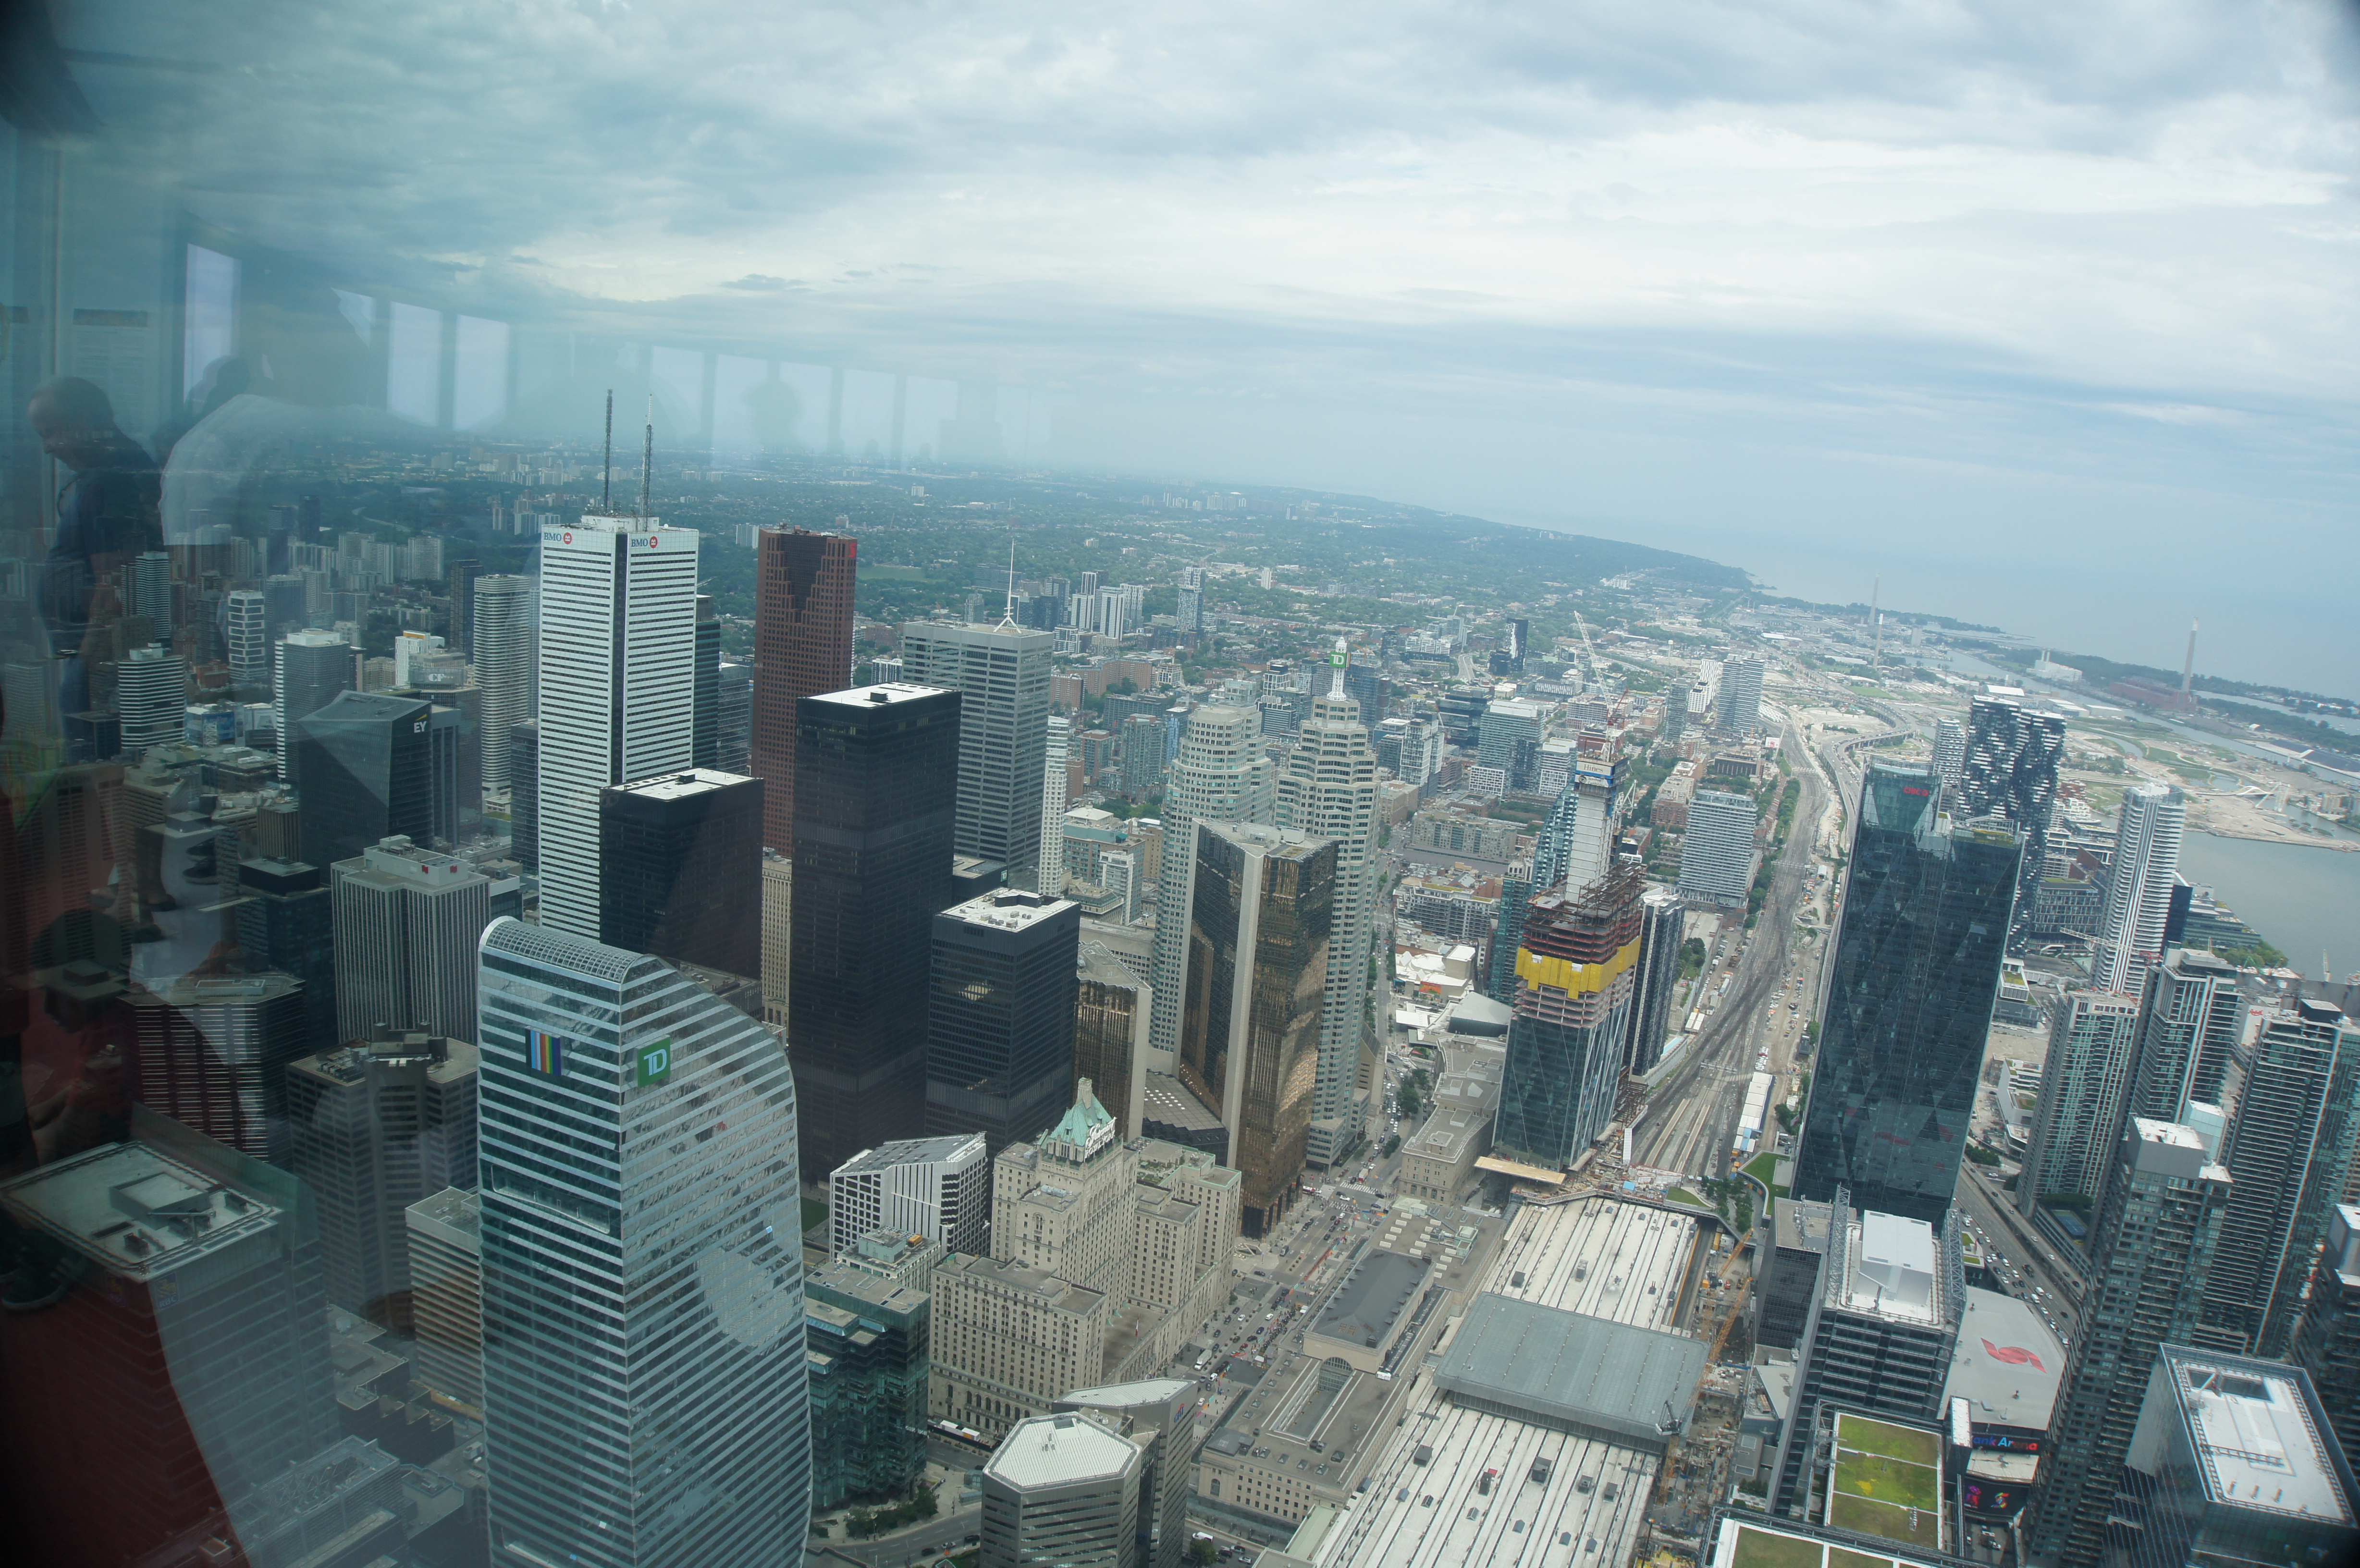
column 655, row 1063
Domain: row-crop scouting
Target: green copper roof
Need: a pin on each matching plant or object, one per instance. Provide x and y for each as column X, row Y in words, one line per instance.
column 1083, row 1117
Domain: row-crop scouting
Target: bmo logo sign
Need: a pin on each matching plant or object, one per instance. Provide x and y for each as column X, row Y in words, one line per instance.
column 654, row 541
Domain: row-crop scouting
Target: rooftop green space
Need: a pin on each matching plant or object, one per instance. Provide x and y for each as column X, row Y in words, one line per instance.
column 1887, row 1482
column 1760, row 1549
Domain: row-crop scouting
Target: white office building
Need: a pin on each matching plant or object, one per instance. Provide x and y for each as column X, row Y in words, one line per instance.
column 1060, row 733
column 644, row 1389
column 2138, row 899
column 1717, row 854
column 619, row 619
column 939, row 1188
column 1063, row 1489
column 151, row 691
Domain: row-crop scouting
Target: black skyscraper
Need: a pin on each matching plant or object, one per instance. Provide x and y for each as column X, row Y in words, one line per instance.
column 372, row 766
column 999, row 1028
column 681, row 857
column 1909, row 998
column 876, row 814
column 285, row 922
column 524, row 795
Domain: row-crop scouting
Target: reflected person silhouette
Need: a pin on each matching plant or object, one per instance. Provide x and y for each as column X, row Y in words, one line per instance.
column 107, row 516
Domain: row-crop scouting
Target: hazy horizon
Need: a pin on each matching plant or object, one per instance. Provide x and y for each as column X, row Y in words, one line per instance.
column 2049, row 320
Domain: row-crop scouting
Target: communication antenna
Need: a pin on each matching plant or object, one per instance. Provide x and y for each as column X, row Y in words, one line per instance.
column 648, row 455
column 1008, row 615
column 606, row 477
column 1876, row 624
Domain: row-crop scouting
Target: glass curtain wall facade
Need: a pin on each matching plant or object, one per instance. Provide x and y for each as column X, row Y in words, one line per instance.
column 644, row 1387
column 1907, row 1004
column 1577, row 983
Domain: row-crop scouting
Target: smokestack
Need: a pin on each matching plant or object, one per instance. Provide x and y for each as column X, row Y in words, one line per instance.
column 2188, row 670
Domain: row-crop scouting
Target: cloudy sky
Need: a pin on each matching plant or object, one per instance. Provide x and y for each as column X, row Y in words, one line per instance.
column 2044, row 314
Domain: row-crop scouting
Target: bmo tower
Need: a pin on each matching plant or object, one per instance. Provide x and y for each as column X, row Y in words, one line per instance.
column 617, row 690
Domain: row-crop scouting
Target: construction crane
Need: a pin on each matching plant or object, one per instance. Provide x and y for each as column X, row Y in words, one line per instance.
column 1589, row 654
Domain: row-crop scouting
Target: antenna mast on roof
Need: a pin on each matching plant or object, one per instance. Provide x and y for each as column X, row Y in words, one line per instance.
column 648, row 455
column 606, row 479
column 1008, row 615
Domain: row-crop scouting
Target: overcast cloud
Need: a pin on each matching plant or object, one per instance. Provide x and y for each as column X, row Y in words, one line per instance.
column 2045, row 313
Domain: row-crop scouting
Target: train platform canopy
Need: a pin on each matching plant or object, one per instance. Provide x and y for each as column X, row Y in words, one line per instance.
column 1576, row 1373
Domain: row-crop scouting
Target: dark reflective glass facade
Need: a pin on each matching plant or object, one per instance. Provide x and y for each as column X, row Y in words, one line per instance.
column 999, row 1022
column 875, row 804
column 1909, row 1000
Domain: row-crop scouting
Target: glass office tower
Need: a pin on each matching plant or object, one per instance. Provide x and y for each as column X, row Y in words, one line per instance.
column 1908, row 999
column 644, row 1392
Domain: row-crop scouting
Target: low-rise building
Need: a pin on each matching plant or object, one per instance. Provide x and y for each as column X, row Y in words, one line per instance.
column 1438, row 1159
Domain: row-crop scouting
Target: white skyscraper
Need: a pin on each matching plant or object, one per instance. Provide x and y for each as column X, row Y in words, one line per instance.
column 312, row 668
column 619, row 636
column 1220, row 775
column 1052, row 879
column 2139, row 899
column 1329, row 788
column 503, row 663
column 150, row 691
column 1949, row 750
column 644, row 1394
column 1717, row 854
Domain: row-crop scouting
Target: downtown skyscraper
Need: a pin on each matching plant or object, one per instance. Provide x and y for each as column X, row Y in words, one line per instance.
column 1260, row 917
column 1002, row 675
column 1220, row 775
column 618, row 639
column 1574, row 986
column 502, row 659
column 876, row 807
column 644, row 1389
column 2151, row 1251
column 1329, row 789
column 2010, row 771
column 1909, row 1002
column 2138, row 899
column 802, row 647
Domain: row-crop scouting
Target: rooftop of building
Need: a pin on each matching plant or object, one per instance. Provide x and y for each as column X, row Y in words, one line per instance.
column 682, row 784
column 2007, row 1365
column 1053, row 1291
column 1893, row 1270
column 2255, row 1437
column 449, row 1060
column 1096, row 962
column 1168, row 1101
column 1292, row 843
column 454, row 1214
column 1886, row 1480
column 954, row 1150
column 889, row 694
column 1144, row 1391
column 138, row 1210
column 1744, row 1539
column 1060, row 1450
column 874, row 1291
column 1373, row 1296
column 1007, row 909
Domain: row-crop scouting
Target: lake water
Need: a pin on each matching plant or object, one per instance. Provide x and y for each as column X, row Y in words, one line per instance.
column 2300, row 898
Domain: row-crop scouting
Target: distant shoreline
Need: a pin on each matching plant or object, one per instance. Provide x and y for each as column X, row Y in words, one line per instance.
column 2342, row 846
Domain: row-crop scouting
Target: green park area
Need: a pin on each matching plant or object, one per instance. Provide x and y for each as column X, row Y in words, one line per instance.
column 1887, row 1482
column 1760, row 1549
